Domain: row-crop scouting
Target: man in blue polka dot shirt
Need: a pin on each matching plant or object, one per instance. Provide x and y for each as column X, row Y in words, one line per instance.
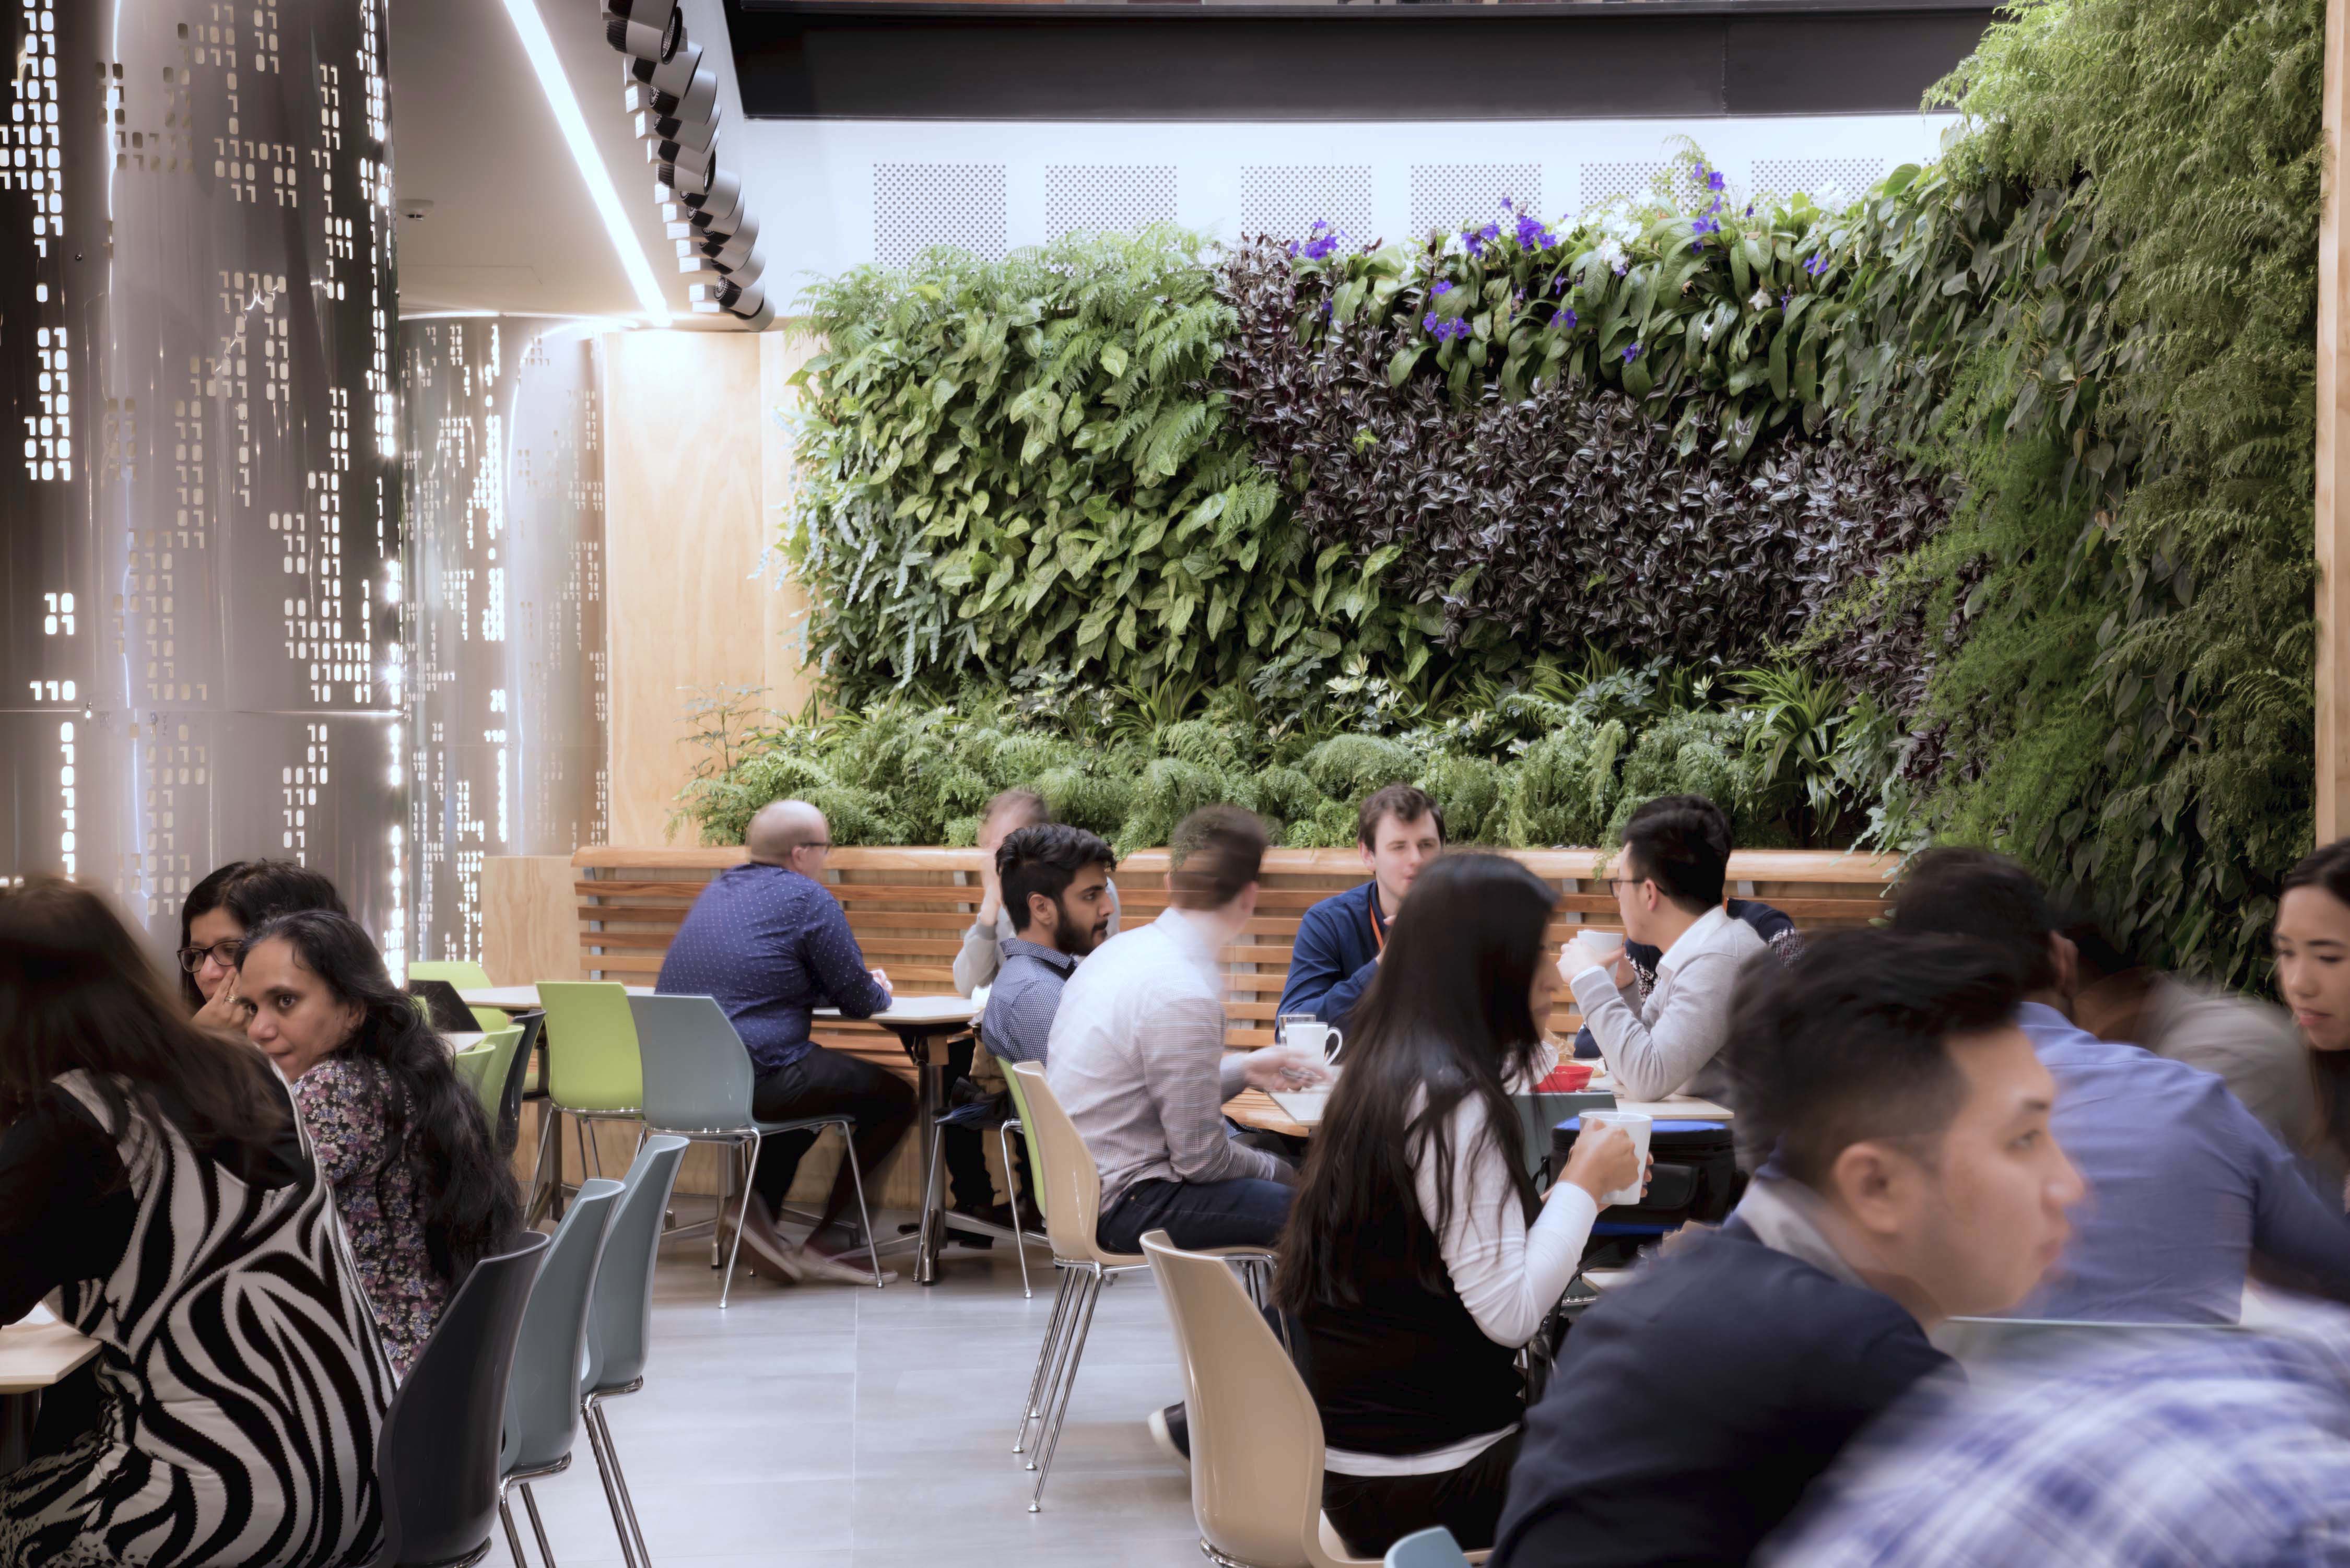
column 771, row 944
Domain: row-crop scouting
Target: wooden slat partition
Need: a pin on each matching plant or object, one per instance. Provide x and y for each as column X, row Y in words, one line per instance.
column 910, row 906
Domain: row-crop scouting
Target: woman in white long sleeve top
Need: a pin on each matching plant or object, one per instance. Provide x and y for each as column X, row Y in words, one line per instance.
column 1417, row 1259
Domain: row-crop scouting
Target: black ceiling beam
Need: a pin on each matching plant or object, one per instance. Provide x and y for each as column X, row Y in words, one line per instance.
column 912, row 60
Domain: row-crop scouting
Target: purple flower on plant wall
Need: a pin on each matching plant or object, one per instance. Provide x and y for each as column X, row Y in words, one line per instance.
column 1566, row 316
column 1534, row 235
column 1705, row 225
column 1444, row 287
column 1631, row 352
column 1321, row 242
column 1443, row 331
column 1815, row 264
column 1713, row 179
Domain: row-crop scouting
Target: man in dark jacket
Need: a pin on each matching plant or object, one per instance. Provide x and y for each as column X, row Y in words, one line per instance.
column 1913, row 1178
column 1399, row 830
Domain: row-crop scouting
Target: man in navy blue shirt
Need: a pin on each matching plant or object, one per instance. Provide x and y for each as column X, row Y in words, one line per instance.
column 2184, row 1183
column 1912, row 1179
column 771, row 943
column 1339, row 939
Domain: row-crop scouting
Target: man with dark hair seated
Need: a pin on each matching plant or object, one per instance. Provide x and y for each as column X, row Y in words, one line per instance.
column 1776, row 929
column 1399, row 830
column 2188, row 1184
column 1056, row 882
column 1667, row 883
column 1913, row 1179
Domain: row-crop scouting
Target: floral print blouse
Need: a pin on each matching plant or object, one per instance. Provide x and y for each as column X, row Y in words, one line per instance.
column 343, row 1101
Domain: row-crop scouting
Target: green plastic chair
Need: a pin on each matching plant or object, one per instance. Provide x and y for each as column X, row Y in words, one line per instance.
column 490, row 1086
column 473, row 1063
column 593, row 1071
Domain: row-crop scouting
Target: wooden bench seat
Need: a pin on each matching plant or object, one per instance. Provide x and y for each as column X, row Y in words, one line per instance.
column 909, row 908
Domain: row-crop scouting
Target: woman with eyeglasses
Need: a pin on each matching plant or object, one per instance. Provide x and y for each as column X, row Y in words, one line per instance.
column 217, row 913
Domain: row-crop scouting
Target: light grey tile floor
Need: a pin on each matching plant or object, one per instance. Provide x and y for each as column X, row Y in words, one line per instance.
column 827, row 1426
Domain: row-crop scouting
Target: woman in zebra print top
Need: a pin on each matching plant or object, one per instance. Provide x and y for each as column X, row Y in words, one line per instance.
column 156, row 1186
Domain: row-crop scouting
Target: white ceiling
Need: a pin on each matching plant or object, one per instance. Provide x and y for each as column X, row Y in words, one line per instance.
column 511, row 228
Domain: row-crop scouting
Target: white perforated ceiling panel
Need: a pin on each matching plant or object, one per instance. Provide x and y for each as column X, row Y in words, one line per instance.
column 1455, row 195
column 919, row 205
column 1287, row 201
column 1829, row 182
column 1115, row 198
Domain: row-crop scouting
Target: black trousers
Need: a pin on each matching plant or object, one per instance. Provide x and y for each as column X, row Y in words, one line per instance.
column 823, row 1084
column 1374, row 1513
column 964, row 1149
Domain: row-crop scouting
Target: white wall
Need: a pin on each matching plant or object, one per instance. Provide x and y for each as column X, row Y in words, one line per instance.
column 831, row 194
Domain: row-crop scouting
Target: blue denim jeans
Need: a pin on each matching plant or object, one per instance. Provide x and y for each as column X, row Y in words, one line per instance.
column 1246, row 1211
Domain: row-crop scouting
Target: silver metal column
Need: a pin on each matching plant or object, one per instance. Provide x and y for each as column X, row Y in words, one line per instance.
column 504, row 498
column 201, row 523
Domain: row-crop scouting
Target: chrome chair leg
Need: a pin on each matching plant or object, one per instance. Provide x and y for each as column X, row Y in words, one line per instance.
column 1012, row 1186
column 620, row 1478
column 542, row 1170
column 1028, row 1411
column 514, row 1537
column 606, row 1466
column 1084, row 1325
column 538, row 1525
column 848, row 1152
column 742, row 1218
column 1080, row 1279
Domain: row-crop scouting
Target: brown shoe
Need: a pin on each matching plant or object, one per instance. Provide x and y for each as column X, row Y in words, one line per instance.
column 769, row 1255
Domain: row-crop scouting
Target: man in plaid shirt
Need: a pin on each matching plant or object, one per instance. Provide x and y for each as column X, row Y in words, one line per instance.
column 2168, row 1449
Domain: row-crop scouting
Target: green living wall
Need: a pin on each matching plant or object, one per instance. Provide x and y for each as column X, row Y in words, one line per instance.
column 1979, row 509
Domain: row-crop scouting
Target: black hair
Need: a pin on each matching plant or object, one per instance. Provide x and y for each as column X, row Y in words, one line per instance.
column 1214, row 853
column 1976, row 893
column 2327, row 870
column 1681, row 843
column 78, row 991
column 1852, row 1041
column 434, row 1121
column 252, row 891
column 1045, row 858
column 1401, row 801
column 1447, row 1011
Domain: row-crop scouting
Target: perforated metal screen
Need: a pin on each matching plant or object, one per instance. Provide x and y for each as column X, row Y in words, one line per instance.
column 1285, row 201
column 1113, row 198
column 919, row 205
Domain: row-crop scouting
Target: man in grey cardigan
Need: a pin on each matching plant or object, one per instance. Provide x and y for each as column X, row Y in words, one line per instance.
column 1669, row 886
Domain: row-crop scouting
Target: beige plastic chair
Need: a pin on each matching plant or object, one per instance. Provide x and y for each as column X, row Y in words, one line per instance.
column 1071, row 1199
column 1256, row 1437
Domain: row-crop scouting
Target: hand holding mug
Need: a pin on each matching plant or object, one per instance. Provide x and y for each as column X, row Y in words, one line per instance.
column 1590, row 950
column 1283, row 1067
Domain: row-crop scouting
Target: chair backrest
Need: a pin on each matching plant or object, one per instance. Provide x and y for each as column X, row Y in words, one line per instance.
column 542, row 1394
column 436, row 1459
column 1065, row 1170
column 1256, row 1437
column 591, row 1045
column 697, row 1070
column 501, row 1044
column 620, row 1313
column 462, row 973
column 507, row 1123
column 473, row 1064
column 1431, row 1547
column 1027, row 1130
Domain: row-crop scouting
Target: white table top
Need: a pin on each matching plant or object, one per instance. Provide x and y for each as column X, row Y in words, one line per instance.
column 1304, row 1107
column 36, row 1355
column 904, row 1009
column 918, row 1010
column 520, row 998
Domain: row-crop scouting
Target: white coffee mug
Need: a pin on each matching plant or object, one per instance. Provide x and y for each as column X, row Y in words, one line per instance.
column 1638, row 1126
column 1317, row 1036
column 1606, row 944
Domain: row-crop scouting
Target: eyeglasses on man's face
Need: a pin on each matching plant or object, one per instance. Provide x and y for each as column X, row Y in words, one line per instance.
column 225, row 955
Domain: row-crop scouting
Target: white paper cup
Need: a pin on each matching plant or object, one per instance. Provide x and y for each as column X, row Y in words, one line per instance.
column 1638, row 1125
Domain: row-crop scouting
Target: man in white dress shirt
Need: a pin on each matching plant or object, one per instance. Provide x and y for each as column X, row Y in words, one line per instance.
column 1668, row 885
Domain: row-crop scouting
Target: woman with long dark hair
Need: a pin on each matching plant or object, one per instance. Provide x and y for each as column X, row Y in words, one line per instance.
column 217, row 913
column 2311, row 942
column 417, row 1177
column 233, row 1410
column 1417, row 1259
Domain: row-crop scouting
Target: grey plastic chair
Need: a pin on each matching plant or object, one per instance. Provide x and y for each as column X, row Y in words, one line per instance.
column 1431, row 1547
column 542, row 1394
column 619, row 1322
column 698, row 1086
column 437, row 1457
